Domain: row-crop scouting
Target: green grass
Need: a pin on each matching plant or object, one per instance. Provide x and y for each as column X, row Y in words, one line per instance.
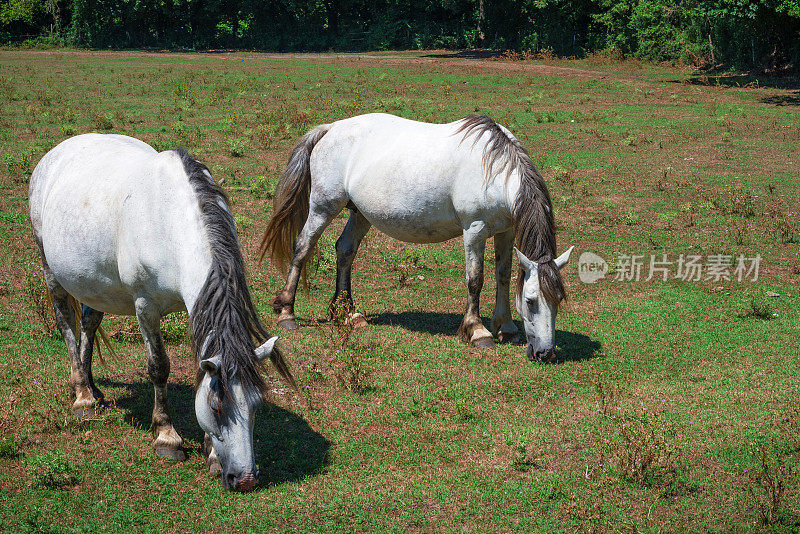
column 442, row 436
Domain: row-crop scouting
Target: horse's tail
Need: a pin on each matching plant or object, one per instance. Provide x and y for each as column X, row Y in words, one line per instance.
column 291, row 202
column 76, row 306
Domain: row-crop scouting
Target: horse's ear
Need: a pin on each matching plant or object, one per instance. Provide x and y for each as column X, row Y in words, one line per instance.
column 211, row 365
column 562, row 260
column 526, row 264
column 266, row 349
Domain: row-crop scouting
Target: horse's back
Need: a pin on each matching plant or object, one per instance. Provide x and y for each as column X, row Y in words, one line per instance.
column 96, row 210
column 68, row 164
column 415, row 181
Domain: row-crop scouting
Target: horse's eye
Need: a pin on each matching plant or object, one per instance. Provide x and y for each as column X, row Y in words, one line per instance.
column 533, row 304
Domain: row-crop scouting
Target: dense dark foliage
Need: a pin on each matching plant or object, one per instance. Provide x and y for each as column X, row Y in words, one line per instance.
column 742, row 33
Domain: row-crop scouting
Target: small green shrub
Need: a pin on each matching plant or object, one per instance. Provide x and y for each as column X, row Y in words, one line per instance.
column 608, row 394
column 760, row 308
column 262, row 186
column 524, row 456
column 237, row 147
column 9, row 447
column 402, row 262
column 739, row 200
column 692, row 212
column 772, row 480
column 786, row 229
column 668, row 218
column 37, row 299
column 184, row 91
column 347, row 352
column 739, row 231
column 566, row 178
column 631, row 218
column 100, row 121
column 19, row 167
column 638, row 448
column 52, row 470
column 68, row 130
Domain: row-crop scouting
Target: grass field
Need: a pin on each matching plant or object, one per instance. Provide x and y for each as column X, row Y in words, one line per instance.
column 676, row 404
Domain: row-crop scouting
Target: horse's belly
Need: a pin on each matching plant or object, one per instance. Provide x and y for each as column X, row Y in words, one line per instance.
column 405, row 209
column 414, row 230
column 108, row 303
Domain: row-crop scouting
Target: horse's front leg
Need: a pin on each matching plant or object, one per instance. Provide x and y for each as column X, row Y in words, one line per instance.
column 502, row 325
column 167, row 442
column 214, row 467
column 346, row 248
column 472, row 330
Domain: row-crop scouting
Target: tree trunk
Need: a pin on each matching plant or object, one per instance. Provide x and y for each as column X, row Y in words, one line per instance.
column 53, row 8
column 711, row 47
column 481, row 20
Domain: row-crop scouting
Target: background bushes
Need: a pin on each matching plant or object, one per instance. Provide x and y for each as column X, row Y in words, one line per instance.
column 730, row 33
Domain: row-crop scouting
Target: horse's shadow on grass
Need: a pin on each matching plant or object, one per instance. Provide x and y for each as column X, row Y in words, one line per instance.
column 286, row 448
column 573, row 347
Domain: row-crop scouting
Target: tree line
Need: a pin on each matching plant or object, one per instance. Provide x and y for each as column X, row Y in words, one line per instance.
column 736, row 33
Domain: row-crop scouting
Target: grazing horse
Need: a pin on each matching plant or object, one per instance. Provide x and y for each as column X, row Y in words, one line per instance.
column 128, row 230
column 424, row 183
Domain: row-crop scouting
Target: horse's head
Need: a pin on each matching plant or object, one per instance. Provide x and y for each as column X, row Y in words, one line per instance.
column 227, row 418
column 538, row 309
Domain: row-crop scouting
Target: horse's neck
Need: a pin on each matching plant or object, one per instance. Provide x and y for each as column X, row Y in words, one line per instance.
column 511, row 189
column 192, row 281
column 194, row 265
column 189, row 249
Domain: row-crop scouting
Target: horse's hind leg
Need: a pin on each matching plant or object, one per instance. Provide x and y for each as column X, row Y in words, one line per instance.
column 79, row 383
column 472, row 330
column 346, row 248
column 90, row 322
column 502, row 325
column 167, row 442
column 318, row 219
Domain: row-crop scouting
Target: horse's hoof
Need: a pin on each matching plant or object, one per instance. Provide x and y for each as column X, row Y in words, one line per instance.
column 84, row 412
column 214, row 469
column 484, row 343
column 175, row 455
column 358, row 320
column 288, row 324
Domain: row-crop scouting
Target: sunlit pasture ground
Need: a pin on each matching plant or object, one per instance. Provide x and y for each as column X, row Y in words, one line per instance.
column 675, row 403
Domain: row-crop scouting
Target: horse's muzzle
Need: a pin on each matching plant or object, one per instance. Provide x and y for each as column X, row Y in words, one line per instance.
column 540, row 356
column 245, row 483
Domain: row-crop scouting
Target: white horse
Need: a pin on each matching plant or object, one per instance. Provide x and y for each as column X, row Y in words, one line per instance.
column 127, row 230
column 424, row 183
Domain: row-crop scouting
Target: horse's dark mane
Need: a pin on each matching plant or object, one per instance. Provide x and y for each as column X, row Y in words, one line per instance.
column 532, row 212
column 223, row 308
